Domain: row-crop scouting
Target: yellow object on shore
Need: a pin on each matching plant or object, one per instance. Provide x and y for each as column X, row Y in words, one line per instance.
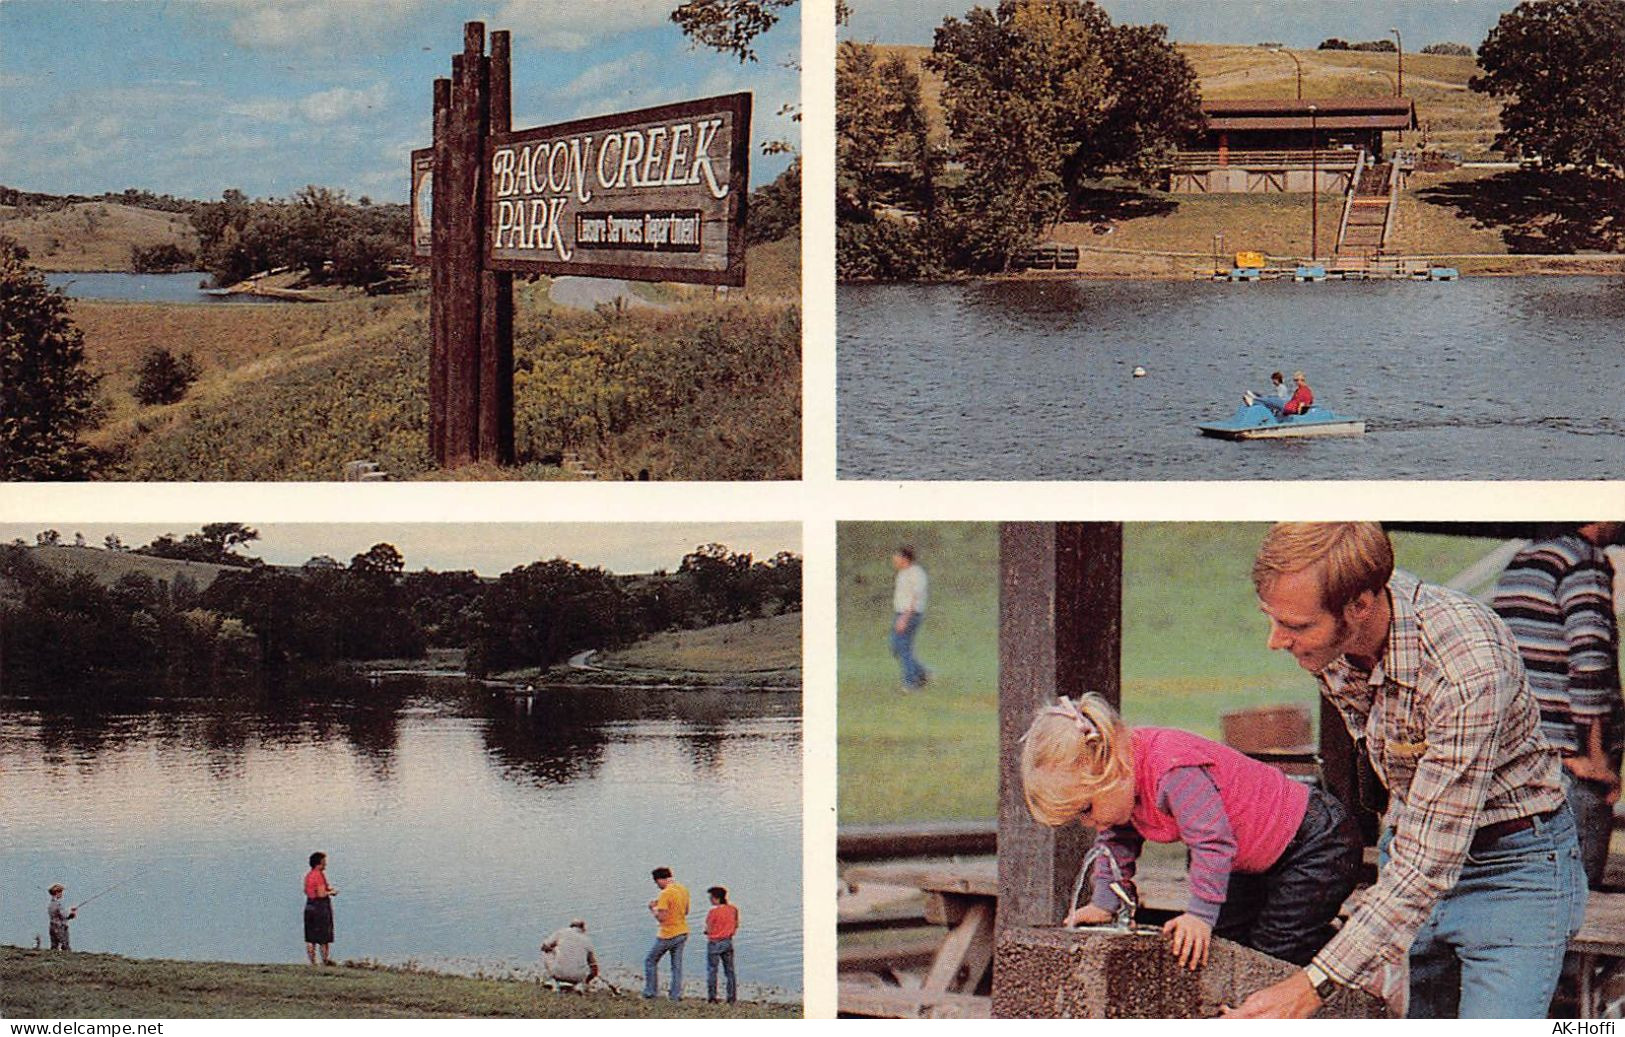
column 1250, row 260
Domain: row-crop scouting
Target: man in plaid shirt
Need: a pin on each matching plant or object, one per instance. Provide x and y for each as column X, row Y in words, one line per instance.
column 1481, row 879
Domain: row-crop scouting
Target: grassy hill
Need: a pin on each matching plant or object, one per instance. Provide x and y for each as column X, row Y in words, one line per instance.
column 110, row 566
column 1456, row 118
column 55, row 985
column 87, row 236
column 699, row 389
column 769, row 644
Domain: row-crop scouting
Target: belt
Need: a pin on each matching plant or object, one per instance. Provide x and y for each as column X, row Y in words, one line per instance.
column 1490, row 834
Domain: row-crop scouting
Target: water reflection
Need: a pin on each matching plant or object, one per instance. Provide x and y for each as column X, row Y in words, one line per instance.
column 462, row 823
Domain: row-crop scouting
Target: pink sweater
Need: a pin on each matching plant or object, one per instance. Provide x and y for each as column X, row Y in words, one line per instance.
column 1233, row 812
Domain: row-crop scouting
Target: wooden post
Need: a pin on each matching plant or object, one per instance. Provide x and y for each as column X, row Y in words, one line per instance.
column 464, row 250
column 496, row 290
column 439, row 270
column 1060, row 633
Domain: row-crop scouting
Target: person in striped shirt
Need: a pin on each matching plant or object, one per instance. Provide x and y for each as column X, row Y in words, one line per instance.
column 1271, row 860
column 1557, row 597
column 1479, row 879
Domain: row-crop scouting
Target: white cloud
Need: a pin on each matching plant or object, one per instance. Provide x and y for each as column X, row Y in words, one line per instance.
column 322, row 108
column 574, row 24
column 316, row 24
column 341, row 102
column 603, row 79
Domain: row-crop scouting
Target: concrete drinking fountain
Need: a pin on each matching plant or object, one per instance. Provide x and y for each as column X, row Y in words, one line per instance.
column 1125, row 970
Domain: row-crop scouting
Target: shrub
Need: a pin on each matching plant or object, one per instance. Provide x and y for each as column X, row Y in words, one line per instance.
column 163, row 377
column 161, row 259
column 1460, row 50
column 46, row 389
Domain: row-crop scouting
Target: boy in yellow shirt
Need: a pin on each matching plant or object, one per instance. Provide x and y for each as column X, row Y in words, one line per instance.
column 670, row 909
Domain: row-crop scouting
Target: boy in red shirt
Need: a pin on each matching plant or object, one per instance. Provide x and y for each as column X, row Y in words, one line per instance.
column 721, row 922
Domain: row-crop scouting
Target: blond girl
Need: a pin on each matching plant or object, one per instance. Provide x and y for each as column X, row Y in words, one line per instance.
column 1271, row 859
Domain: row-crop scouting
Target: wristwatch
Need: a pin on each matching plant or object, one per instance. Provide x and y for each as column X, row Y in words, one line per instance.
column 1325, row 986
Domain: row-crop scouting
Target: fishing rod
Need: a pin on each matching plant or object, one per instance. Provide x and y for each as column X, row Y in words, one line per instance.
column 102, row 893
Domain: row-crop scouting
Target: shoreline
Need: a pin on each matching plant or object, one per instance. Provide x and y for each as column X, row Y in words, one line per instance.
column 46, row 984
column 1472, row 264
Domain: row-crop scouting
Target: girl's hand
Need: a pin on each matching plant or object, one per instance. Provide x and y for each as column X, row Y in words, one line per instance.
column 1088, row 914
column 1190, row 936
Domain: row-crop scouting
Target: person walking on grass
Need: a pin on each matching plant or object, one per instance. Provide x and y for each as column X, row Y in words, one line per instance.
column 670, row 909
column 318, row 910
column 59, row 915
column 909, row 594
column 721, row 922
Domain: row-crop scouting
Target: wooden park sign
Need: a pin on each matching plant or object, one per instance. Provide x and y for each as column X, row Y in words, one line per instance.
column 654, row 195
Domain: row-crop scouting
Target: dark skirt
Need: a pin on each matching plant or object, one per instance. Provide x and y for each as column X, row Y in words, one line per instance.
column 318, row 920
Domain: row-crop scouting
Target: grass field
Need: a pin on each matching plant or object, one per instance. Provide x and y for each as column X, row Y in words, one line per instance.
column 703, row 389
column 88, row 236
column 769, row 644
column 1456, row 118
column 110, row 566
column 47, row 985
column 1193, row 646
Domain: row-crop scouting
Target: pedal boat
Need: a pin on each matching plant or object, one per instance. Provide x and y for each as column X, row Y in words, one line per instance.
column 1259, row 422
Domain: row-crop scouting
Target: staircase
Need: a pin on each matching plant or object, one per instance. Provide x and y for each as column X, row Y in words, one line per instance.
column 1368, row 212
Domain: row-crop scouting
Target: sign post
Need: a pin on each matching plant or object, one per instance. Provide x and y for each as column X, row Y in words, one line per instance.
column 654, row 195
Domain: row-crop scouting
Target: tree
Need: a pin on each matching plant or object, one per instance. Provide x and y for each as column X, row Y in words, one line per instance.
column 775, row 208
column 1040, row 94
column 216, row 544
column 46, row 390
column 1559, row 68
column 163, row 377
column 381, row 560
column 880, row 126
column 1460, row 50
column 730, row 26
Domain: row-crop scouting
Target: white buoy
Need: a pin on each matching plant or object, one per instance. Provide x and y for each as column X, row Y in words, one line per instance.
column 1139, row 372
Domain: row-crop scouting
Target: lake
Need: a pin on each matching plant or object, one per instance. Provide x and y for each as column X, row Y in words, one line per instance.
column 462, row 826
column 1484, row 378
column 107, row 287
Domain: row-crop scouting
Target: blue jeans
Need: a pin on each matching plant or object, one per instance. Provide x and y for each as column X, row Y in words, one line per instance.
column 720, row 951
column 651, row 965
column 1595, row 820
column 902, row 646
column 1493, row 946
column 1276, row 405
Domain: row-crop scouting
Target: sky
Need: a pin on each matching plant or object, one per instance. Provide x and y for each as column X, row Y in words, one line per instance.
column 191, row 97
column 1295, row 23
column 489, row 548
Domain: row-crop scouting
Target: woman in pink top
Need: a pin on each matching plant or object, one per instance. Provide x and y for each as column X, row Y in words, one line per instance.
column 318, row 910
column 1271, row 860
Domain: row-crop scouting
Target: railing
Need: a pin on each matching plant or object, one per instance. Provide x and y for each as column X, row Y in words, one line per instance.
column 1348, row 200
column 1393, row 202
column 1336, row 159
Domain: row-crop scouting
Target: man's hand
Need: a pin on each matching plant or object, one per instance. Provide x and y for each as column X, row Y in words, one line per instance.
column 1190, row 936
column 902, row 623
column 1598, row 769
column 1089, row 914
column 1292, row 998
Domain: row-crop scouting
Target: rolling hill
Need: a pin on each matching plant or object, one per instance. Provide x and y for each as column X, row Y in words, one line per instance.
column 91, row 236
